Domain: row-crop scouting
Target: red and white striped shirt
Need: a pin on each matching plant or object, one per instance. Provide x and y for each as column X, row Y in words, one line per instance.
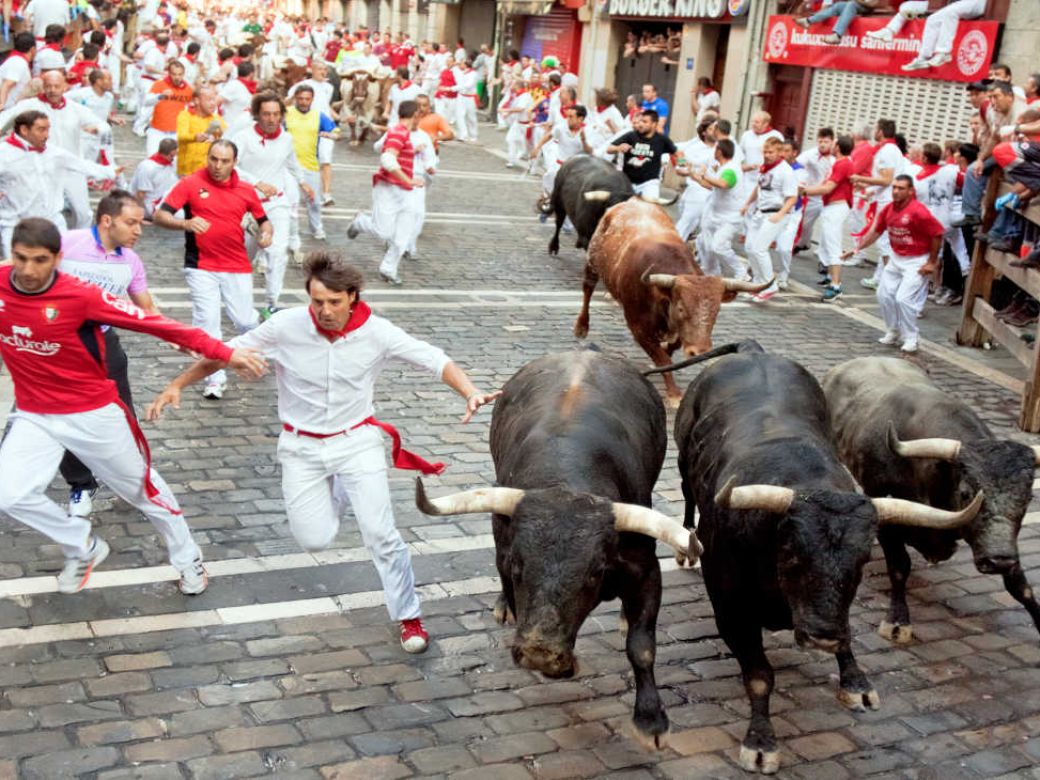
column 399, row 139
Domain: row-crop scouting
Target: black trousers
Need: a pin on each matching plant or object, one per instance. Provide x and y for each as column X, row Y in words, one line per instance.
column 72, row 469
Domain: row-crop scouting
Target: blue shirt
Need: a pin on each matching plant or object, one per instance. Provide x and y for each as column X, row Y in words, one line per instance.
column 657, row 104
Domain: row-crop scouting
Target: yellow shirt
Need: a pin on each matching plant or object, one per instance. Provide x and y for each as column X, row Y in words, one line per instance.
column 304, row 130
column 191, row 154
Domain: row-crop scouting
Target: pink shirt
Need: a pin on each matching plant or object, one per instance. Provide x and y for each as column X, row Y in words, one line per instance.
column 120, row 273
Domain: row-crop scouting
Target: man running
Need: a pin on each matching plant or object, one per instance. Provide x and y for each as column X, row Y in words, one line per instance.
column 642, row 147
column 64, row 400
column 309, row 126
column 329, row 355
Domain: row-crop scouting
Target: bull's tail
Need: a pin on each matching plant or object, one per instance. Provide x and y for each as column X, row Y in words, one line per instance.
column 749, row 345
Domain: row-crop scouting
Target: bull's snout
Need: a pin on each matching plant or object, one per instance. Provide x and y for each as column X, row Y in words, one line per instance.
column 996, row 564
column 551, row 661
column 695, row 349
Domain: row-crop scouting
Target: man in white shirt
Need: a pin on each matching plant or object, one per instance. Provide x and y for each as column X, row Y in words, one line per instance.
column 15, row 73
column 267, row 160
column 236, row 98
column 152, row 65
column 936, row 187
column 45, row 12
column 50, row 56
column 705, row 99
column 751, row 148
column 775, row 196
column 96, row 96
column 327, row 358
column 699, row 152
column 888, row 163
column 570, row 139
column 466, row 102
column 155, row 176
column 403, row 89
column 721, row 220
column 518, row 118
column 817, row 163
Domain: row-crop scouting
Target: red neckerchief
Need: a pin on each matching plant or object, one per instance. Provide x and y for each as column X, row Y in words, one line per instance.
column 56, row 107
column 601, row 109
column 230, row 183
column 404, row 85
column 764, row 168
column 190, row 58
column 19, row 54
column 887, row 141
column 236, row 60
column 53, row 46
column 249, row 84
column 160, row 159
column 769, row 129
column 927, row 169
column 358, row 316
column 264, row 136
column 14, row 140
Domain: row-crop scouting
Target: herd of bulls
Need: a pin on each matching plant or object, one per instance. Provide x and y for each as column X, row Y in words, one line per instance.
column 786, row 482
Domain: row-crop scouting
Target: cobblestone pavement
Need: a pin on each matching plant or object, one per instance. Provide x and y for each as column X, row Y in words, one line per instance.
column 288, row 664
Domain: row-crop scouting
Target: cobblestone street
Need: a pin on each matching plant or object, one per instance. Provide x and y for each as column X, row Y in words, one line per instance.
column 289, row 665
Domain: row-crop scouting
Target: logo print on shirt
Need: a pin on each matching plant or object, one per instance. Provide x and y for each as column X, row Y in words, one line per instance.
column 50, row 313
column 203, row 193
column 22, row 341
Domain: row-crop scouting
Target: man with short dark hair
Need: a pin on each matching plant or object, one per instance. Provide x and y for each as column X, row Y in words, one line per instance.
column 328, row 357
column 216, row 266
column 836, row 194
column 155, row 176
column 887, row 162
column 15, row 73
column 64, row 400
column 392, row 220
column 817, row 162
column 721, row 220
column 653, row 102
column 643, row 147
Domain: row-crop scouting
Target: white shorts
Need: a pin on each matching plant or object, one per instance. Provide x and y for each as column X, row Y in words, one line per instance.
column 325, row 149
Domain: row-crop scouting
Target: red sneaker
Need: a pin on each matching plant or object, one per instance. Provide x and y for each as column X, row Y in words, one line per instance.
column 414, row 638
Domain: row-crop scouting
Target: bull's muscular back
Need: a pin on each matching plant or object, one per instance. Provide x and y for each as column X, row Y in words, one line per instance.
column 633, row 237
column 584, row 173
column 583, row 420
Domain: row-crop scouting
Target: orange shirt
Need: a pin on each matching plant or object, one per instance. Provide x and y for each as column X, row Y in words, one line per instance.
column 164, row 117
column 433, row 125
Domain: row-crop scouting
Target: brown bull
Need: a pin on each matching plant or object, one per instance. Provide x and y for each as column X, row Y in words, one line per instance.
column 364, row 96
column 667, row 300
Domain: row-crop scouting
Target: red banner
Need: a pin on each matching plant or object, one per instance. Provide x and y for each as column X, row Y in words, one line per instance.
column 789, row 44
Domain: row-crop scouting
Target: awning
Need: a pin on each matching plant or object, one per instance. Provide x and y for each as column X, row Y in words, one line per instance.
column 526, row 7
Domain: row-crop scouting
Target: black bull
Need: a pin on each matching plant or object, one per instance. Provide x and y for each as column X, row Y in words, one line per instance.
column 578, row 440
column 784, row 530
column 581, row 176
column 902, row 436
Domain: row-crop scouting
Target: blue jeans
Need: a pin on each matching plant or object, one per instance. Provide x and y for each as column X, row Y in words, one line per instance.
column 1008, row 226
column 845, row 11
column 975, row 188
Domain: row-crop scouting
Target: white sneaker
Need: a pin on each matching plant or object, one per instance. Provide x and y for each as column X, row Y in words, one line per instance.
column 81, row 502
column 783, row 285
column 909, row 346
column 915, row 65
column 194, row 579
column 353, row 231
column 884, row 34
column 76, row 572
column 214, row 390
column 940, row 59
column 326, row 199
column 890, row 338
column 320, row 236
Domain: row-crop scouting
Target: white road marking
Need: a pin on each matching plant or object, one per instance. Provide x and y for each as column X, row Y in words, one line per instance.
column 254, row 613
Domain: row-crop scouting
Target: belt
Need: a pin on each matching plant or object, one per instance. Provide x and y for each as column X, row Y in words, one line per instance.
column 768, row 211
column 402, row 458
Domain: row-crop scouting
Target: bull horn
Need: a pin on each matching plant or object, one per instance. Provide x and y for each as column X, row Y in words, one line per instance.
column 498, row 500
column 1036, row 453
column 596, row 195
column 658, row 201
column 943, row 449
column 742, row 285
column 643, row 520
column 664, row 281
column 769, row 498
column 897, row 511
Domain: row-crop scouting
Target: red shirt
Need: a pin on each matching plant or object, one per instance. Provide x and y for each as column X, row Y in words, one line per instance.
column 862, row 158
column 52, row 344
column 78, row 72
column 223, row 204
column 400, row 55
column 400, row 140
column 910, row 229
column 840, row 173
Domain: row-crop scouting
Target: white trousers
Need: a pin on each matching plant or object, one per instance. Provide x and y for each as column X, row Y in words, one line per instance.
column 102, row 439
column 785, row 247
column 762, row 232
column 715, row 247
column 902, row 293
column 549, row 177
column 313, row 180
column 813, row 209
column 651, row 189
column 417, row 208
column 466, row 117
column 516, row 145
column 274, row 258
column 941, row 27
column 209, row 289
column 392, row 220
column 832, row 231
column 152, row 139
column 74, row 187
column 319, row 474
column 955, row 238
column 907, row 10
column 692, row 207
column 445, row 106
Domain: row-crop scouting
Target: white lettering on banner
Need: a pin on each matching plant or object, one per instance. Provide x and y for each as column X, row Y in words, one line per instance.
column 122, row 305
column 683, row 9
column 21, row 339
column 803, row 38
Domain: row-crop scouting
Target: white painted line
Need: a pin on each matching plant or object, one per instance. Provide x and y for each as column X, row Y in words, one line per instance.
column 1031, row 518
column 165, row 304
column 118, row 578
column 323, row 605
column 424, row 292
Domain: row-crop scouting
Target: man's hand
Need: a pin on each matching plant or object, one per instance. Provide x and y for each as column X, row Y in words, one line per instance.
column 196, row 225
column 743, row 211
column 248, row 363
column 266, row 236
column 847, row 254
column 171, row 396
column 776, row 218
column 977, row 168
column 623, row 148
column 267, row 190
column 92, row 130
column 118, row 121
column 476, row 401
column 201, row 138
column 928, row 268
column 308, row 191
column 418, row 182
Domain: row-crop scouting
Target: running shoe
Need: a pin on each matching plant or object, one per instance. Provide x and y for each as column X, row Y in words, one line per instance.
column 832, row 293
column 81, row 501
column 353, row 231
column 327, row 200
column 414, row 638
column 214, row 390
column 890, row 338
column 77, row 571
column 194, row 579
column 869, row 283
column 909, row 346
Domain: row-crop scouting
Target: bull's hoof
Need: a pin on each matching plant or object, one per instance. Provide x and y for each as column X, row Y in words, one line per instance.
column 554, row 248
column 895, row 632
column 581, row 329
column 650, row 742
column 673, row 401
column 503, row 614
column 622, row 626
column 684, row 561
column 765, row 761
column 859, row 701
